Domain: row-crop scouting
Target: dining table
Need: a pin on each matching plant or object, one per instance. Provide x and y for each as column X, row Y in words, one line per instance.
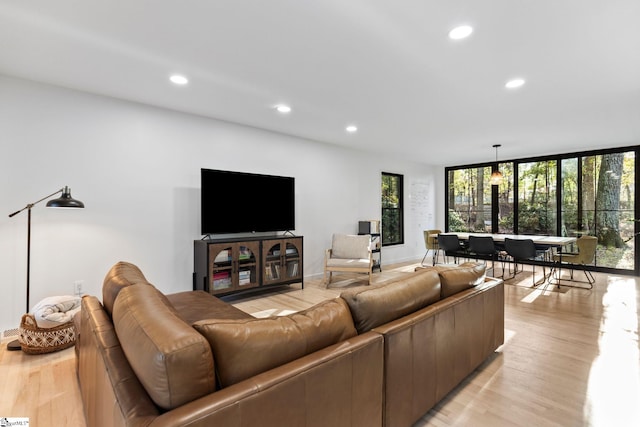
column 544, row 242
column 538, row 239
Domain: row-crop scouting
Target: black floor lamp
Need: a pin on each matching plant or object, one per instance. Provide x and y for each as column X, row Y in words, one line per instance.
column 64, row 201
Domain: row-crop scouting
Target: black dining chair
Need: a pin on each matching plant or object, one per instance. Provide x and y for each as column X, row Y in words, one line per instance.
column 484, row 248
column 452, row 246
column 522, row 250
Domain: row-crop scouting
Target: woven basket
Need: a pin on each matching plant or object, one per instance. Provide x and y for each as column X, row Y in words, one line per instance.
column 35, row 340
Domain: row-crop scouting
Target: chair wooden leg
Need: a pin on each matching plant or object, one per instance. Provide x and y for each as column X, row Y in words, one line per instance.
column 327, row 279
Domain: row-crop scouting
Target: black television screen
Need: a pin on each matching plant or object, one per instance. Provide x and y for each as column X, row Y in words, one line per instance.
column 237, row 202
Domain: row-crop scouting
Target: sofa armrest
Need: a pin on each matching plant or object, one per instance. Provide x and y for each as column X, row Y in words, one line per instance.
column 429, row 352
column 111, row 394
column 346, row 377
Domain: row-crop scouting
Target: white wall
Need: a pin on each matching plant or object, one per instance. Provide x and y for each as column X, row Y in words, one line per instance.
column 137, row 169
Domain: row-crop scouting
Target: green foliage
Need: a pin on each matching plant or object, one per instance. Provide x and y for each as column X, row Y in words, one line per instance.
column 600, row 200
column 392, row 232
column 535, row 219
column 390, row 191
column 455, row 221
column 505, row 223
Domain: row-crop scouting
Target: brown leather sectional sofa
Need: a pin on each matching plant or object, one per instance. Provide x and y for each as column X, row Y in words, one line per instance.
column 381, row 355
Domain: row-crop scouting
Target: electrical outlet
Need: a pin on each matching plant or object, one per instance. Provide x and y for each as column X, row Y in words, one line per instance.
column 77, row 287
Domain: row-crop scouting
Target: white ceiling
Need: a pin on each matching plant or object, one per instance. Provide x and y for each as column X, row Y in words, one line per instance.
column 386, row 66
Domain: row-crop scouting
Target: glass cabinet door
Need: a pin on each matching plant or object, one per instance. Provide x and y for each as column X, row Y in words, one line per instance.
column 221, row 268
column 272, row 261
column 282, row 260
column 292, row 261
column 247, row 266
column 233, row 266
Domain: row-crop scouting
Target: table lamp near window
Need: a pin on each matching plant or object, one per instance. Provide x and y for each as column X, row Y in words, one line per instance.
column 64, row 201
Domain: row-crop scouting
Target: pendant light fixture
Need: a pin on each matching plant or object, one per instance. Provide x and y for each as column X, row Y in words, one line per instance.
column 496, row 176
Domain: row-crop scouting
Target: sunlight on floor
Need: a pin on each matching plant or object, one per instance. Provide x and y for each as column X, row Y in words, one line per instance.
column 540, row 291
column 614, row 382
column 508, row 335
column 272, row 312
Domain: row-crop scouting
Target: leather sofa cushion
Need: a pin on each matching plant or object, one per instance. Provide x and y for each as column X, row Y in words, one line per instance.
column 246, row 347
column 199, row 305
column 374, row 306
column 121, row 275
column 173, row 362
column 455, row 279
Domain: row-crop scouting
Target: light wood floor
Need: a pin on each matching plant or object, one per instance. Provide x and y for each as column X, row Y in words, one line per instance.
column 571, row 358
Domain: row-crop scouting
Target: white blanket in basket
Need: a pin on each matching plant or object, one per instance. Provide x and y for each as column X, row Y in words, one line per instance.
column 55, row 311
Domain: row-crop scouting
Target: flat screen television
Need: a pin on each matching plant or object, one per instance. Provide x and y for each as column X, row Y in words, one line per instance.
column 239, row 202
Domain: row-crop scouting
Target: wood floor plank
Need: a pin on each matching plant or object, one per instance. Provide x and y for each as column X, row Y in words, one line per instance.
column 571, row 358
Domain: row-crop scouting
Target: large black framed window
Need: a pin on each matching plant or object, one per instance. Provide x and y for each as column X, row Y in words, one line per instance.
column 392, row 209
column 587, row 193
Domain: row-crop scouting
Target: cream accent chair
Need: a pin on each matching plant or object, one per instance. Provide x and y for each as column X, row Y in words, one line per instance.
column 348, row 254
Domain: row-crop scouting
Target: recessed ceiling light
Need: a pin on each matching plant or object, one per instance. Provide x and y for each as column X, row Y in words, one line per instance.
column 178, row 79
column 514, row 83
column 460, row 32
column 352, row 129
column 284, row 109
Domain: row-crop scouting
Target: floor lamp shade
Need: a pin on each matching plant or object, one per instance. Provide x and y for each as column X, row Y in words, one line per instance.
column 64, row 201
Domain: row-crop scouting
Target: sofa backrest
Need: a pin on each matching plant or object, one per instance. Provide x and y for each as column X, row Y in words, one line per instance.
column 374, row 306
column 121, row 275
column 172, row 360
column 457, row 278
column 349, row 246
column 243, row 348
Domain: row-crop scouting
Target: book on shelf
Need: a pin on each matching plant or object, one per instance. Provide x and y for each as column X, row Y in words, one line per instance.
column 223, row 256
column 245, row 253
column 272, row 271
column 293, row 269
column 221, row 280
column 244, row 277
column 221, row 274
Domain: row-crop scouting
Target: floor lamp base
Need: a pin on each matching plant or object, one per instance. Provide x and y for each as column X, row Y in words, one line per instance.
column 14, row 346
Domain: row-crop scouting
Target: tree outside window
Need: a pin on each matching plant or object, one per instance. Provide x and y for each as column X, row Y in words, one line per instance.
column 392, row 215
column 591, row 193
